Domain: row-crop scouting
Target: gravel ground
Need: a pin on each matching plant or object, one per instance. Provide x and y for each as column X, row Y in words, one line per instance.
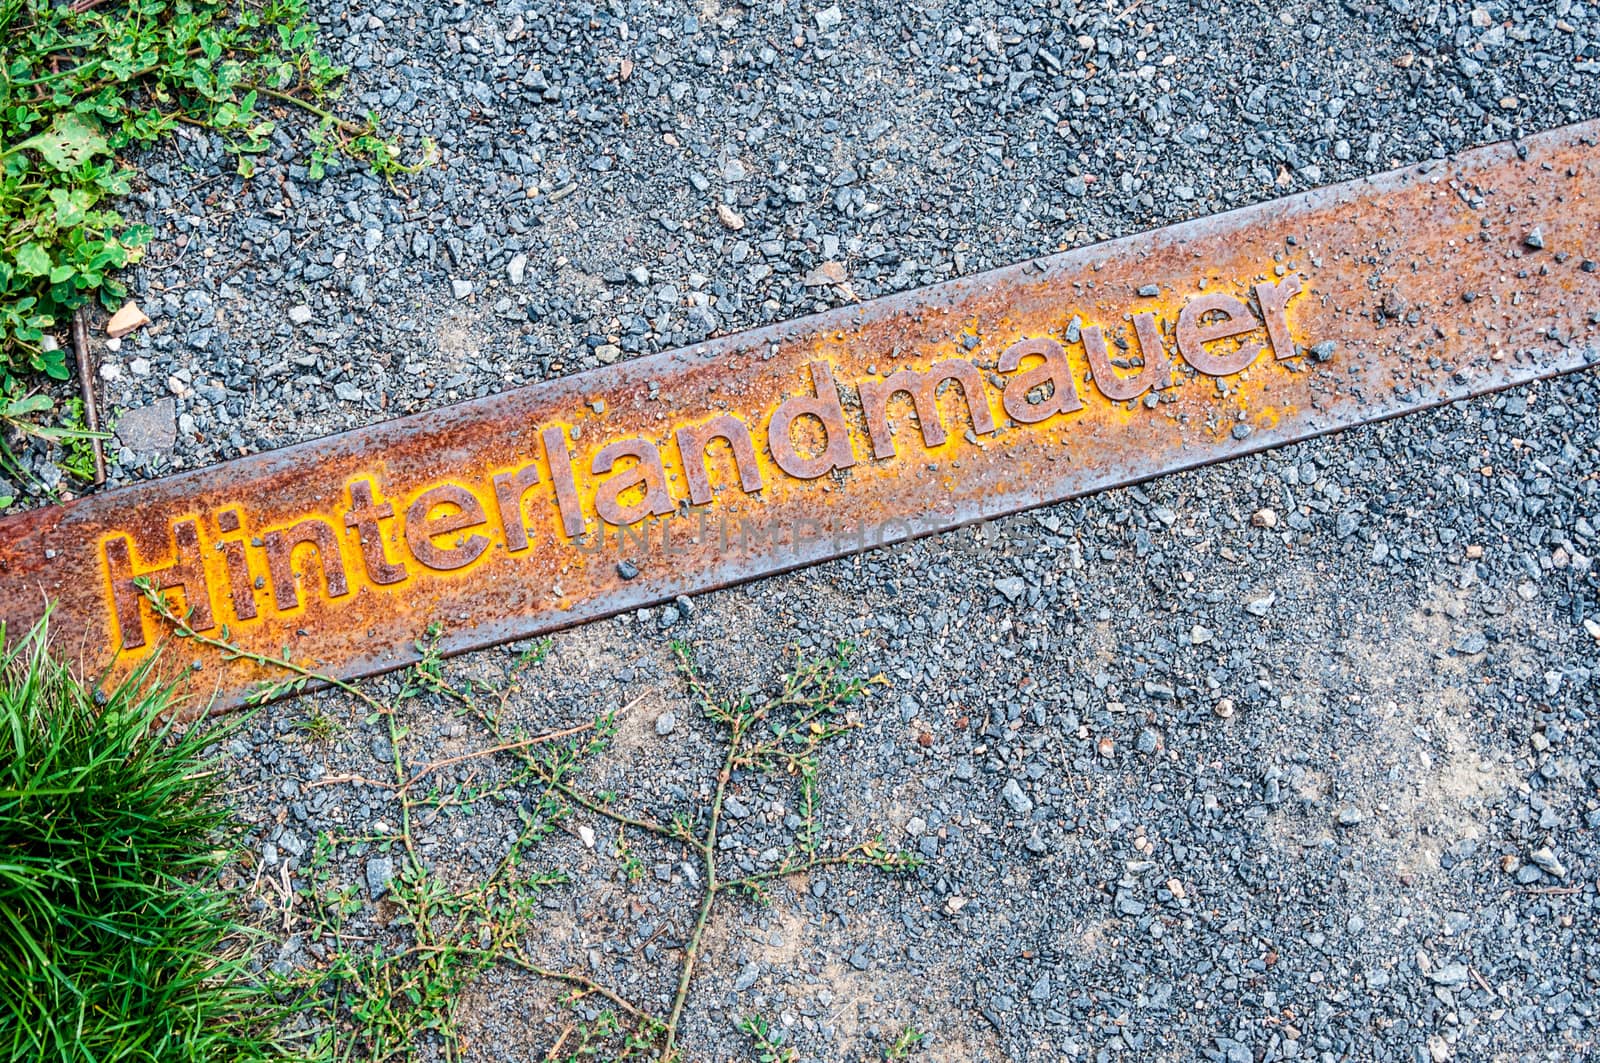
column 1318, row 785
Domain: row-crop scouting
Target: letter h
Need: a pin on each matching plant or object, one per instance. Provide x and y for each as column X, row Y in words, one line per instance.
column 187, row 572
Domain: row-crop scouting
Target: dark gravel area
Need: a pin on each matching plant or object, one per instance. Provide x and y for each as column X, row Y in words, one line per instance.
column 584, row 151
column 1199, row 790
column 1293, row 758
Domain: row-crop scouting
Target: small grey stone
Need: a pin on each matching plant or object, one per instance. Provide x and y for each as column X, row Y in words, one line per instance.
column 1011, row 586
column 1200, row 634
column 300, row 315
column 1020, row 802
column 608, row 353
column 461, row 288
column 1260, row 606
column 1548, row 862
column 829, row 18
column 1150, row 291
column 517, row 270
column 666, row 723
column 627, row 569
column 149, row 429
column 1535, row 238
column 380, row 870
column 347, row 392
column 1036, row 843
column 1451, row 974
column 1349, row 816
column 748, row 975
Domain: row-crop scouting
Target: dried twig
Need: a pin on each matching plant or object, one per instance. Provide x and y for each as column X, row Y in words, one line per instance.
column 334, row 780
column 555, row 1049
column 584, row 985
column 549, row 736
column 1479, row 979
column 91, row 410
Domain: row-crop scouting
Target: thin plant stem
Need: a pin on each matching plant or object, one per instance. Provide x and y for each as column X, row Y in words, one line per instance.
column 232, row 651
column 587, row 985
column 310, row 108
column 647, row 825
column 445, row 923
column 708, row 852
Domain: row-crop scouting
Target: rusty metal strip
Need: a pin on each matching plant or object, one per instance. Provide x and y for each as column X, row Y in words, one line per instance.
column 763, row 451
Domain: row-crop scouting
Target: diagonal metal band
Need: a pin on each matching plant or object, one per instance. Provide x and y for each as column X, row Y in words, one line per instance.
column 763, row 451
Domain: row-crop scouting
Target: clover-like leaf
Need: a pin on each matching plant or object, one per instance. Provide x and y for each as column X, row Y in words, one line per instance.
column 72, row 205
column 32, row 259
column 69, row 142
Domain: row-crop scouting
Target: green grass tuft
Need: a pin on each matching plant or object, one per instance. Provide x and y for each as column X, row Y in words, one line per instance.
column 116, row 943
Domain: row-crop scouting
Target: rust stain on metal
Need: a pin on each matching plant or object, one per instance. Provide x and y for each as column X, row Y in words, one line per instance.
column 762, row 451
